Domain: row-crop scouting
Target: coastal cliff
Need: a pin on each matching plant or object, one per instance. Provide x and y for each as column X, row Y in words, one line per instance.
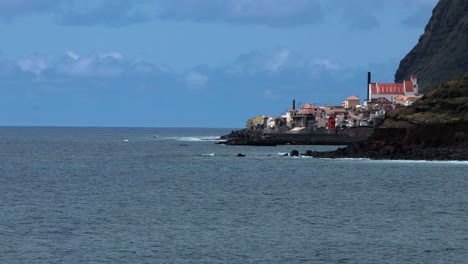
column 442, row 51
column 436, row 126
column 433, row 128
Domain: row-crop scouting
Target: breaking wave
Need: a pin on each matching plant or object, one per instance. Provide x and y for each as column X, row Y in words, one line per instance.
column 195, row 139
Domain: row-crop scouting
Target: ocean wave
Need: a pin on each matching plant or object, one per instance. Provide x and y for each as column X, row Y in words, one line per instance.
column 193, row 138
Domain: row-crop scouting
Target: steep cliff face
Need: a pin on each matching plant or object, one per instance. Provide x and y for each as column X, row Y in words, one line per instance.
column 442, row 51
column 436, row 126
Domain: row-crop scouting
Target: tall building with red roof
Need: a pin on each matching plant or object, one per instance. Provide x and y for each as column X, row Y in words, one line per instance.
column 391, row 90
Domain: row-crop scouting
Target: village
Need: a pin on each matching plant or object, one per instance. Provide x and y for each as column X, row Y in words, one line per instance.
column 311, row 119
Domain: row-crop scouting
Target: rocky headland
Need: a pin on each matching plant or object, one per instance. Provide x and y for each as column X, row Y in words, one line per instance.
column 436, row 126
column 433, row 128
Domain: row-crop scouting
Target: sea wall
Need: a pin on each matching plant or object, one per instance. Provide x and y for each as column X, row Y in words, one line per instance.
column 345, row 136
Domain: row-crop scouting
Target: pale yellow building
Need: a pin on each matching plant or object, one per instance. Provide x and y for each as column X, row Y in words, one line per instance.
column 351, row 102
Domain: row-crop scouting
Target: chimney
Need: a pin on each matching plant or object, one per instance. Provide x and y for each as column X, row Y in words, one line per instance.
column 294, row 104
column 368, row 85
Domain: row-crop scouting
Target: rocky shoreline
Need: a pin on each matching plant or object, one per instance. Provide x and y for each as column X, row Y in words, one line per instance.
column 440, row 133
column 413, row 142
column 395, row 153
column 433, row 128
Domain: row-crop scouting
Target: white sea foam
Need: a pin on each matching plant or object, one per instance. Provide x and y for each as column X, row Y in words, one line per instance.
column 195, row 138
column 402, row 161
column 461, row 162
column 358, row 159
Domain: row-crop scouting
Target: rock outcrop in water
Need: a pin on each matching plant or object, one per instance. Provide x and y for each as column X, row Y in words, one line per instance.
column 442, row 51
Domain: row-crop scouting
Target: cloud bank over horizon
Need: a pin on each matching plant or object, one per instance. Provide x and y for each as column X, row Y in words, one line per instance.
column 104, row 82
column 113, row 64
column 193, row 62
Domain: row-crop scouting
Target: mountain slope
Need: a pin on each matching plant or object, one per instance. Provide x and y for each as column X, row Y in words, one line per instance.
column 442, row 51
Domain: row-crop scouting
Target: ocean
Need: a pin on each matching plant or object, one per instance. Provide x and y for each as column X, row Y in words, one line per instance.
column 168, row 195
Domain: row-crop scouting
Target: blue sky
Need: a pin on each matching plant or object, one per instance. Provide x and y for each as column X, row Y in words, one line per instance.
column 193, row 63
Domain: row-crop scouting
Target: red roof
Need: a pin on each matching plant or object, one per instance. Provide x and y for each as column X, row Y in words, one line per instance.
column 387, row 88
column 393, row 88
column 352, row 98
column 309, row 109
column 308, row 106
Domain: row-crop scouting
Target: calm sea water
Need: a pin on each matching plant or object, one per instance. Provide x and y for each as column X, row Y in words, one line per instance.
column 134, row 195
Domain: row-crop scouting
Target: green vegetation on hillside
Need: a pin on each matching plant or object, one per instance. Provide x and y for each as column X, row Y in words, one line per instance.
column 446, row 103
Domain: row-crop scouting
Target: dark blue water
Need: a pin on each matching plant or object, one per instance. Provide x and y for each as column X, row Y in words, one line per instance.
column 132, row 195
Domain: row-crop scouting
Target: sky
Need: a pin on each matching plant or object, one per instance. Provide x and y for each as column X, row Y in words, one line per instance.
column 193, row 63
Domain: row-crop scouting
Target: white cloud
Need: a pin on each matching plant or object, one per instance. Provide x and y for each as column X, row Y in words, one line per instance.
column 124, row 12
column 263, row 61
column 77, row 68
column 105, row 12
column 196, row 80
column 72, row 55
column 283, row 13
column 289, row 75
column 277, row 60
column 72, row 64
column 111, row 54
column 266, row 12
column 325, row 63
column 33, row 64
column 11, row 8
column 100, row 64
